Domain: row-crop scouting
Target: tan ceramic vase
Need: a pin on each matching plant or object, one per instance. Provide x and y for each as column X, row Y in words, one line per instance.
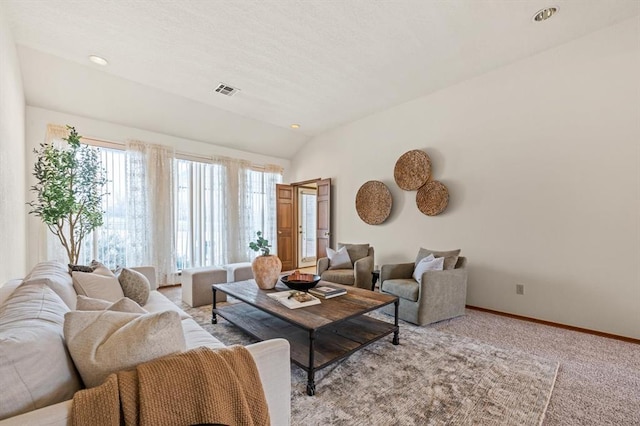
column 266, row 271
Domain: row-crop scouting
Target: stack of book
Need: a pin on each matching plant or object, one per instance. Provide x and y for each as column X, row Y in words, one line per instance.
column 327, row 292
column 294, row 299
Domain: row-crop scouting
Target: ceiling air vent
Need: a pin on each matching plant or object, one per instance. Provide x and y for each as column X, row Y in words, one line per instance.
column 225, row 89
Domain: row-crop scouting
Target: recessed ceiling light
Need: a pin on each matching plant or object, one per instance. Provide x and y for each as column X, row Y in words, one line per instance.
column 545, row 14
column 295, row 126
column 98, row 60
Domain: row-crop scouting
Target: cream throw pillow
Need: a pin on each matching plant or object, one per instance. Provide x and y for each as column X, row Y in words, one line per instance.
column 339, row 259
column 99, row 284
column 125, row 304
column 428, row 263
column 106, row 342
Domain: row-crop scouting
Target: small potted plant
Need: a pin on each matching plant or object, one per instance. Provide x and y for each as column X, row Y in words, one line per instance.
column 266, row 267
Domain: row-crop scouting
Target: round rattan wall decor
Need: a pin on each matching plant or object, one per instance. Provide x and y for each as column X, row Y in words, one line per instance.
column 432, row 198
column 373, row 202
column 412, row 170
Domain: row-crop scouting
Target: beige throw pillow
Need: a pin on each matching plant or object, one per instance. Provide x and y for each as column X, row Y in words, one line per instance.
column 134, row 285
column 105, row 342
column 450, row 257
column 99, row 284
column 125, row 304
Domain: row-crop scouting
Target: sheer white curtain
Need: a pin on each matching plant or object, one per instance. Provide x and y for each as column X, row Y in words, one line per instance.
column 150, row 208
column 256, row 207
column 201, row 213
column 239, row 228
column 220, row 207
column 272, row 176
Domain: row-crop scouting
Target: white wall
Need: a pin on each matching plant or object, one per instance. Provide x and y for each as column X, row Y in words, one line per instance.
column 12, row 159
column 542, row 161
column 36, row 125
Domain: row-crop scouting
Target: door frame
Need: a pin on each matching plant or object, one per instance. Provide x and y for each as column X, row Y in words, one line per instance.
column 295, row 186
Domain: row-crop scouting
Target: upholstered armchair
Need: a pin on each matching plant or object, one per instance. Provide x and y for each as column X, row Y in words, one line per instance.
column 441, row 295
column 361, row 256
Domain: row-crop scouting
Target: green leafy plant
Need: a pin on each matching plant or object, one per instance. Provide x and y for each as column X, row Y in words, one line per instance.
column 260, row 244
column 69, row 190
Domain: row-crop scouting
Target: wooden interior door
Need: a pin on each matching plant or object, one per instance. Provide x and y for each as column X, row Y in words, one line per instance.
column 323, row 232
column 285, row 226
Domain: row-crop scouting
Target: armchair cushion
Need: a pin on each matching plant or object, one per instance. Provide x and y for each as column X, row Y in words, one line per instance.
column 405, row 288
column 394, row 271
column 339, row 259
column 339, row 276
column 450, row 257
column 428, row 263
column 356, row 251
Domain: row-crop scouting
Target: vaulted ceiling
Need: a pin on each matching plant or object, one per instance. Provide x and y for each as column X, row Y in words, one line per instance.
column 316, row 63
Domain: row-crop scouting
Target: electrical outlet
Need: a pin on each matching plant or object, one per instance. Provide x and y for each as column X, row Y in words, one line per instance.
column 519, row 288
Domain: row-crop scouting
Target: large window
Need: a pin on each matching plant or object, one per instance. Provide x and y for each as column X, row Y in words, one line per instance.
column 203, row 199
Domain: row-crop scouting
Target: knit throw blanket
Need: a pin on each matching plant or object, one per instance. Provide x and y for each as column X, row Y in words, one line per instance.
column 201, row 386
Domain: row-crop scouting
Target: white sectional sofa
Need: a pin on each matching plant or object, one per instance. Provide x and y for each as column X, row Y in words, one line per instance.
column 271, row 357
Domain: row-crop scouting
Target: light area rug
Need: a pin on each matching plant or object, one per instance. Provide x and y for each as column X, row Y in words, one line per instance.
column 431, row 378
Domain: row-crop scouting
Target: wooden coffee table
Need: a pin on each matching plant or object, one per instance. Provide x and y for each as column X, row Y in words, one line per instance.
column 319, row 335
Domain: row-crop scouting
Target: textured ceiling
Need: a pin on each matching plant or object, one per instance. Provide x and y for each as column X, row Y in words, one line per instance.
column 317, row 63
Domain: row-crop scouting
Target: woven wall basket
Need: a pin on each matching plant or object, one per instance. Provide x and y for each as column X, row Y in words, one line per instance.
column 373, row 202
column 432, row 198
column 412, row 170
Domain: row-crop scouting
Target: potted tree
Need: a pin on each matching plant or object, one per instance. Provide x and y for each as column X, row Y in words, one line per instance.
column 69, row 190
column 266, row 267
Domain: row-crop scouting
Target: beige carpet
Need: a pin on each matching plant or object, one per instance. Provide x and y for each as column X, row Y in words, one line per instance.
column 431, row 378
column 598, row 381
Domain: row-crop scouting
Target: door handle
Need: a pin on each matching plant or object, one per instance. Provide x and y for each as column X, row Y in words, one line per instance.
column 326, row 234
column 279, row 232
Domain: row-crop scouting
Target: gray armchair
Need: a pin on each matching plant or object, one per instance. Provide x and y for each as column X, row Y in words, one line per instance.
column 441, row 295
column 360, row 276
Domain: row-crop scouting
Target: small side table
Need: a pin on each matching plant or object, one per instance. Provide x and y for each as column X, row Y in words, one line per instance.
column 375, row 275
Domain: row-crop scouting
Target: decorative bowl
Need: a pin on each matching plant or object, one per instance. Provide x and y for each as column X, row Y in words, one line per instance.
column 300, row 282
